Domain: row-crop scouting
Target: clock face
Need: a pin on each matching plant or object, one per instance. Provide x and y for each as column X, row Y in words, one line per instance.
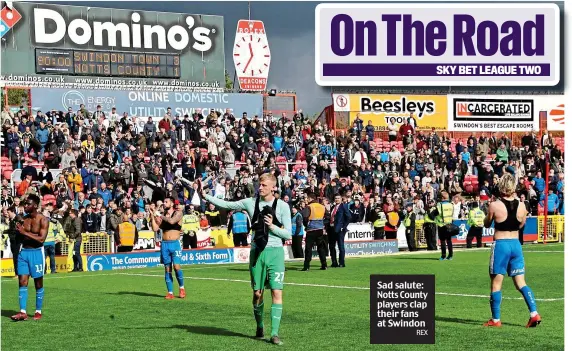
column 251, row 55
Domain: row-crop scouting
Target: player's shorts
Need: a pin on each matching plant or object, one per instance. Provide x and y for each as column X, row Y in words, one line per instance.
column 171, row 252
column 268, row 270
column 31, row 262
column 506, row 257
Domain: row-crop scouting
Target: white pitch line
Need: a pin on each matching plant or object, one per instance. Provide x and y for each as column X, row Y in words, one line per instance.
column 334, row 286
column 248, row 281
column 544, row 251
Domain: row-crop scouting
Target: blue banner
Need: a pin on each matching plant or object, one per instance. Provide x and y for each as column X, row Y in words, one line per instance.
column 377, row 247
column 146, row 103
column 530, row 227
column 153, row 259
column 362, row 248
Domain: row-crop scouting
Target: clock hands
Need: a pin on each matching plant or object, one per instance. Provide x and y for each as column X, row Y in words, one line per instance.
column 250, row 59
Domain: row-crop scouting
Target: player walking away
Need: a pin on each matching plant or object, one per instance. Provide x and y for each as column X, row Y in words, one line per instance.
column 506, row 252
column 476, row 223
column 31, row 260
column 170, row 224
column 271, row 223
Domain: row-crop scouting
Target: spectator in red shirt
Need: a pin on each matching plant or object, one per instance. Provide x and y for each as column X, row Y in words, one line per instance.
column 405, row 129
column 165, row 123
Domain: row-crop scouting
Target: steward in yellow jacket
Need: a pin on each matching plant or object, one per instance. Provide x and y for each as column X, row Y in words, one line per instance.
column 126, row 235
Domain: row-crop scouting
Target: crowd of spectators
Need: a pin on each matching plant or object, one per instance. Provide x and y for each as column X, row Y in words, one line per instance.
column 112, row 164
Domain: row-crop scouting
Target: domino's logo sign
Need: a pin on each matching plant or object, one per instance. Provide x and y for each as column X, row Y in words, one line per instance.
column 9, row 17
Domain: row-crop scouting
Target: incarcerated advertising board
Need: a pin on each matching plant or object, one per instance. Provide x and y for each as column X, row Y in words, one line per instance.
column 438, row 44
column 429, row 111
column 146, row 103
column 509, row 113
column 90, row 47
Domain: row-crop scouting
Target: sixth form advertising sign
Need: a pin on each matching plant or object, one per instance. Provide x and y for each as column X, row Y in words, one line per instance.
column 512, row 44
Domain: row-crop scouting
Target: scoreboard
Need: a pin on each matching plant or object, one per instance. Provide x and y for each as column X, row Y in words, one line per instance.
column 107, row 63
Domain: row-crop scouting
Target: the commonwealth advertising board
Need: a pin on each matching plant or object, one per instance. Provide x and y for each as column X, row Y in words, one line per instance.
column 69, row 46
column 429, row 111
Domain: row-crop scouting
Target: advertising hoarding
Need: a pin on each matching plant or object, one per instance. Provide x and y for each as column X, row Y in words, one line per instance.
column 429, row 111
column 68, row 46
column 146, row 103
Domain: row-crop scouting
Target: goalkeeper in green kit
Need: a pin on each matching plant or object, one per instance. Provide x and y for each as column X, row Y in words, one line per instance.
column 271, row 223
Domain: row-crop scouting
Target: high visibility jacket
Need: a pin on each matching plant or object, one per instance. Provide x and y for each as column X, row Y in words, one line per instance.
column 190, row 223
column 55, row 232
column 445, row 216
column 476, row 218
column 380, row 221
column 407, row 220
column 295, row 227
column 239, row 223
column 393, row 218
column 427, row 218
column 316, row 218
column 126, row 234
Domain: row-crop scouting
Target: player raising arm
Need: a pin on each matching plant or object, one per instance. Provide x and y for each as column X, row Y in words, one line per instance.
column 171, row 251
column 271, row 222
column 33, row 232
column 509, row 215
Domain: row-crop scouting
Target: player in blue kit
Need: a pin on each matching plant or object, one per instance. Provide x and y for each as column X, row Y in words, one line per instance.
column 31, row 260
column 509, row 215
column 171, row 251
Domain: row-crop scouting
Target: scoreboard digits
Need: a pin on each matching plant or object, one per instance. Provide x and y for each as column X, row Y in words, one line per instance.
column 108, row 63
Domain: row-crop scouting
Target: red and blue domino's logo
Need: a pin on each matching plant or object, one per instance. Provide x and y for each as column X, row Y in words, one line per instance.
column 9, row 18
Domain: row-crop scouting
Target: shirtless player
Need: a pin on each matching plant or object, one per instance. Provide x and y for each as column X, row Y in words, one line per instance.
column 171, row 250
column 31, row 260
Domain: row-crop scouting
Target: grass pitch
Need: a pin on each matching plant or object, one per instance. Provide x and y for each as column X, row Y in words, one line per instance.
column 126, row 310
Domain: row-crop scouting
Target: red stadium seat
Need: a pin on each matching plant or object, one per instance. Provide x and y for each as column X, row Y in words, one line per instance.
column 280, row 159
column 7, row 173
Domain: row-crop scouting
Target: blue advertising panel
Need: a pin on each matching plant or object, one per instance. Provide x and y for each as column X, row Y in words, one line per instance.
column 530, row 227
column 146, row 103
column 362, row 248
column 152, row 259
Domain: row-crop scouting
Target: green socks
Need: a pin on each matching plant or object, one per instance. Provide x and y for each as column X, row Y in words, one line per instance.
column 259, row 314
column 276, row 313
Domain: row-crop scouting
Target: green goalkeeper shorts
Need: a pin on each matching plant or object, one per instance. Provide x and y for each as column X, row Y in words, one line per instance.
column 268, row 271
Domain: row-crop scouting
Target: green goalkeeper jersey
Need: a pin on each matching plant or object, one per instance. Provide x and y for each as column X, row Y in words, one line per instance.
column 282, row 214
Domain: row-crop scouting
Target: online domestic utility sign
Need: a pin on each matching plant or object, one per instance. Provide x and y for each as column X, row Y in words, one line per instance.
column 510, row 44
